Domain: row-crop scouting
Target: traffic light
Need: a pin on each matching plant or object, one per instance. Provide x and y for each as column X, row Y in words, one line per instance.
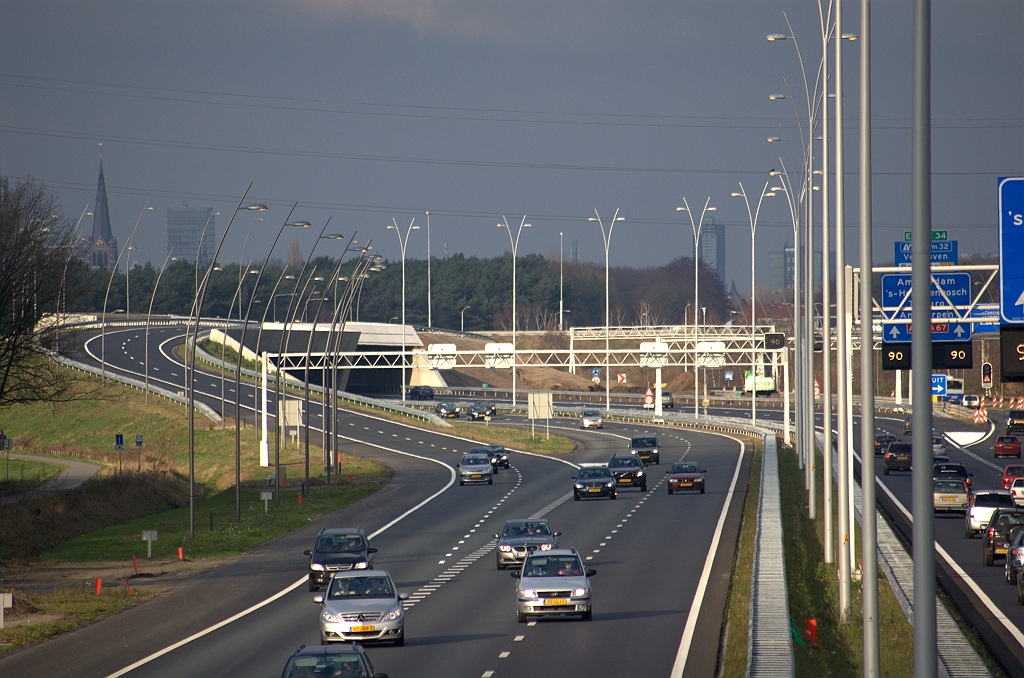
column 986, row 375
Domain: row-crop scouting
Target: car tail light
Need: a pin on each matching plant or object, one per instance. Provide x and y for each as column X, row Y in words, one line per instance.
column 991, row 532
column 888, row 455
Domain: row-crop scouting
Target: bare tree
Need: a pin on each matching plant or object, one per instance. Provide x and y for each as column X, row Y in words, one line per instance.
column 37, row 242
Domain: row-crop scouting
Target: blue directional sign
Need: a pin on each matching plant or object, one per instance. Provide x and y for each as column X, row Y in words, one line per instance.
column 138, row 440
column 595, row 372
column 938, row 384
column 943, row 252
column 119, row 441
column 945, row 327
column 1011, row 249
column 991, row 314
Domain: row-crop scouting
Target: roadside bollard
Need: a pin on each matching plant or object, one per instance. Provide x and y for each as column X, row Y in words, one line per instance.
column 300, row 498
column 99, row 586
column 181, row 553
column 135, row 564
column 128, row 587
column 812, row 630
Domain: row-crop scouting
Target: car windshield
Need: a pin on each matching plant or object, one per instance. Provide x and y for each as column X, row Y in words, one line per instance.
column 327, row 665
column 339, row 543
column 591, row 473
column 591, row 413
column 526, row 529
column 476, row 461
column 685, row 468
column 949, row 486
column 1016, row 414
column 885, row 439
column 371, row 586
column 645, row 442
column 482, row 404
column 993, row 499
column 553, row 566
column 1007, row 519
column 1014, row 471
column 621, row 462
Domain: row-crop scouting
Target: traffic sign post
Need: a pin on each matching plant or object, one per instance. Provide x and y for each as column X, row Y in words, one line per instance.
column 1011, row 249
column 938, row 385
column 138, row 446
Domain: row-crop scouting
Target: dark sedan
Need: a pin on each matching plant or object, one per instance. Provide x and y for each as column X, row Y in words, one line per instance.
column 953, row 471
column 447, row 410
column 897, row 458
column 479, row 410
column 628, row 471
column 882, row 441
column 685, row 477
column 594, row 481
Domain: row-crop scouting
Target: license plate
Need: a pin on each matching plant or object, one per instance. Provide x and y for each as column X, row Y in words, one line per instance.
column 476, row 475
column 948, row 498
column 362, row 629
column 625, row 480
column 902, row 457
column 685, row 484
column 595, row 489
column 556, row 601
column 1001, row 552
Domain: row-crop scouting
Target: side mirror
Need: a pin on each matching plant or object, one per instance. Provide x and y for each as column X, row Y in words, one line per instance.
column 515, row 574
column 496, row 536
column 307, row 553
column 403, row 596
column 371, row 550
column 591, row 572
column 557, row 534
column 318, row 600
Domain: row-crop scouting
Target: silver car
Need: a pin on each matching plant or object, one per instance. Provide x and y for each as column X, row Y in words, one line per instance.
column 476, row 468
column 949, row 495
column 553, row 583
column 983, row 504
column 362, row 607
column 521, row 537
column 591, row 419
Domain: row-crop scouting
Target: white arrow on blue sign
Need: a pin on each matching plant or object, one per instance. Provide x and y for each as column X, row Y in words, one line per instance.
column 944, row 328
column 595, row 372
column 938, row 384
column 1011, row 249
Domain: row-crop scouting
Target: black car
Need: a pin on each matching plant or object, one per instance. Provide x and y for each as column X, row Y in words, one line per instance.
column 342, row 659
column 952, row 471
column 479, row 410
column 1002, row 529
column 338, row 550
column 907, row 428
column 628, row 471
column 1015, row 422
column 898, row 457
column 447, row 410
column 882, row 441
column 421, row 393
column 645, row 448
column 594, row 481
column 499, row 456
column 522, row 536
column 1015, row 562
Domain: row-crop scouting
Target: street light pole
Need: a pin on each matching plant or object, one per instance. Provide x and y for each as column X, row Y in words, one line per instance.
column 464, row 318
column 149, row 314
column 765, row 193
column 103, row 322
column 607, row 239
column 430, row 314
column 402, row 244
column 696, row 287
column 515, row 319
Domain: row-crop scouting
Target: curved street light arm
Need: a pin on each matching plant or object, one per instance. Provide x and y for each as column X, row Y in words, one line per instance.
column 103, row 321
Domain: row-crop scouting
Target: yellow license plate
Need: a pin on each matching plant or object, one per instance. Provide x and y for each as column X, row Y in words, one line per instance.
column 556, row 601
column 685, row 484
column 948, row 498
column 1000, row 552
column 902, row 457
column 362, row 629
column 476, row 475
column 625, row 480
column 595, row 489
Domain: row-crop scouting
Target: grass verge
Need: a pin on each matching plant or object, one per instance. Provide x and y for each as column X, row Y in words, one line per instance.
column 75, row 606
column 733, row 662
column 23, row 475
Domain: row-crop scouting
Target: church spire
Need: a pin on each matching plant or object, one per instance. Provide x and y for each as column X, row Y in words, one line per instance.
column 102, row 250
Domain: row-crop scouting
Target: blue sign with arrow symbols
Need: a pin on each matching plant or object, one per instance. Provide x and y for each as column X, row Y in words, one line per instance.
column 938, row 384
column 946, row 326
column 1011, row 249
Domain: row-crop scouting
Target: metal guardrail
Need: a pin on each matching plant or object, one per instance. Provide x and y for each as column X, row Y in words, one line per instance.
column 770, row 645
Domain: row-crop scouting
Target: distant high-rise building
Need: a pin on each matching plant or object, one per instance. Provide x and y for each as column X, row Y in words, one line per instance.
column 574, row 252
column 185, row 233
column 781, row 275
column 101, row 252
column 711, row 247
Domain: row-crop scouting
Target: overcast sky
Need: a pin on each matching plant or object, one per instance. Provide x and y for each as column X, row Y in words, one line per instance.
column 364, row 111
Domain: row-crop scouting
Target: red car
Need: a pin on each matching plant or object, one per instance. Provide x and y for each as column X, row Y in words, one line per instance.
column 685, row 476
column 1007, row 446
column 1011, row 473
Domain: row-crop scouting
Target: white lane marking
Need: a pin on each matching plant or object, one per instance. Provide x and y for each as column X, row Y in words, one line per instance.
column 698, row 599
column 503, row 655
column 300, row 582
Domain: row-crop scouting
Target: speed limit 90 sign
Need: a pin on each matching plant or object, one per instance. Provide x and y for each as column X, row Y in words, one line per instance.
column 1011, row 340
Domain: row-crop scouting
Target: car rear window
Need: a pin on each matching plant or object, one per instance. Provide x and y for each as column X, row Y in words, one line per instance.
column 1007, row 439
column 900, row 448
column 1014, row 471
column 645, row 442
column 950, row 468
column 951, row 486
column 1005, row 519
column 620, row 462
column 993, row 500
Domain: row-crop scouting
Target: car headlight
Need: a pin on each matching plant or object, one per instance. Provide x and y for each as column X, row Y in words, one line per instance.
column 316, row 566
column 330, row 618
column 505, row 548
column 361, row 565
column 610, row 483
column 580, row 592
column 546, row 547
column 639, row 474
column 528, row 593
column 578, row 486
column 654, row 451
column 494, row 460
column 394, row 614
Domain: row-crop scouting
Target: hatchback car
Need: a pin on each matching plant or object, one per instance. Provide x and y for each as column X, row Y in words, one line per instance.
column 362, row 607
column 1010, row 473
column 972, row 401
column 983, row 504
column 667, row 400
column 953, row 471
column 882, row 441
column 1007, row 446
column 897, row 458
column 553, row 583
column 628, row 471
column 907, row 427
column 593, row 481
column 447, row 410
column 645, row 447
column 938, row 445
column 479, row 410
column 476, row 468
column 522, row 537
column 949, row 495
column 591, row 419
column 685, row 476
column 346, row 659
column 1002, row 529
column 1015, row 422
column 421, row 393
column 338, row 550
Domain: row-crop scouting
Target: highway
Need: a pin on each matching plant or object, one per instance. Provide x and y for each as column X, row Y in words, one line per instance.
column 651, row 550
